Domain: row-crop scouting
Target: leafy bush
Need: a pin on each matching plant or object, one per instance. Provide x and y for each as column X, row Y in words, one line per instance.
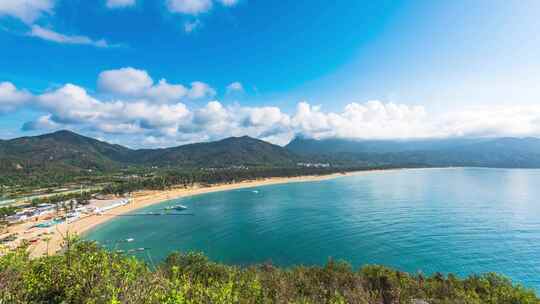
column 87, row 273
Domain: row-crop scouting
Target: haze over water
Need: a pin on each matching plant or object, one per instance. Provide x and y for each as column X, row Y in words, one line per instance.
column 461, row 220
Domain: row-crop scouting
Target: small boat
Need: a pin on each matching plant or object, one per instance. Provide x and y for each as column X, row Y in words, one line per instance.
column 255, row 191
column 129, row 240
column 176, row 207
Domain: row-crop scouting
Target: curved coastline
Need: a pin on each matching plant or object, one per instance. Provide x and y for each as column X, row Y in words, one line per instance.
column 148, row 198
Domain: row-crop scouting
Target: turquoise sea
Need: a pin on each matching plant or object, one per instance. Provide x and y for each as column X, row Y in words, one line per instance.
column 462, row 220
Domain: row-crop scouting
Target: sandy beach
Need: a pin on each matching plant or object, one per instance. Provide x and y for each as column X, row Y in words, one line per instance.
column 51, row 243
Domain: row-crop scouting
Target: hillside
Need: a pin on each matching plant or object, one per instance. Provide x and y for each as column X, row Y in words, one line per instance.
column 306, row 146
column 232, row 151
column 65, row 150
column 86, row 273
column 483, row 152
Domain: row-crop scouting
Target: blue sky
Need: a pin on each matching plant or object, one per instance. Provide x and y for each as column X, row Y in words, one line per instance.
column 270, row 69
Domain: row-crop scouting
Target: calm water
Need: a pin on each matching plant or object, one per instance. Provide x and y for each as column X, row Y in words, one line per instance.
column 448, row 220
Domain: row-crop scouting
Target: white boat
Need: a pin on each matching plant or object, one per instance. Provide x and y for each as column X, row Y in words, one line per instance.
column 176, row 207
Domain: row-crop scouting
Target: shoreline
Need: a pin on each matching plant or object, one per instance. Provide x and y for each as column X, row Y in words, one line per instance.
column 147, row 198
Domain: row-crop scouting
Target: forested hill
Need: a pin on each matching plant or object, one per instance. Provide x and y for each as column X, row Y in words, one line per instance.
column 232, row 151
column 65, row 150
column 479, row 152
column 62, row 149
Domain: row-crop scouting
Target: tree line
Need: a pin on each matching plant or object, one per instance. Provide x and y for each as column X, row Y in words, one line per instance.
column 187, row 178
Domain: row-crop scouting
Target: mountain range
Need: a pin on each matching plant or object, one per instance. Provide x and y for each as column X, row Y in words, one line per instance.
column 71, row 152
column 503, row 152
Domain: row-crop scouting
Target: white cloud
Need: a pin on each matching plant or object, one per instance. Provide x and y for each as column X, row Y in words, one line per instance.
column 190, row 7
column 265, row 117
column 191, row 26
column 125, row 81
column 72, row 105
column 11, row 98
column 134, row 83
column 151, row 113
column 27, row 11
column 370, row 120
column 235, row 87
column 491, row 121
column 164, row 92
column 42, row 123
column 120, row 3
column 50, row 35
column 200, row 90
column 194, row 8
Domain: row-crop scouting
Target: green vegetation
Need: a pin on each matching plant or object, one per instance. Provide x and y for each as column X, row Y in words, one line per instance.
column 185, row 178
column 7, row 211
column 464, row 152
column 88, row 274
column 83, row 196
column 64, row 157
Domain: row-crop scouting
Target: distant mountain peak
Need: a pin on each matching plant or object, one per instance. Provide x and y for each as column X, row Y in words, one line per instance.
column 63, row 134
column 243, row 137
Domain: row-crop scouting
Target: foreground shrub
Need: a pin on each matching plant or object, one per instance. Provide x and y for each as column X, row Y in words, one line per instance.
column 88, row 274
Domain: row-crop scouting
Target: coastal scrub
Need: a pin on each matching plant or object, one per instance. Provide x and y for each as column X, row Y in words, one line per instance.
column 86, row 273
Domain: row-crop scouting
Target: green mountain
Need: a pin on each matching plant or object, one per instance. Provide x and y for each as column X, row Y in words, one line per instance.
column 65, row 152
column 62, row 150
column 68, row 151
column 232, row 151
column 479, row 152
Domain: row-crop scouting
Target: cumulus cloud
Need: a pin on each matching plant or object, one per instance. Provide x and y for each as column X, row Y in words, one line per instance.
column 129, row 103
column 72, row 105
column 200, row 90
column 164, row 92
column 120, row 3
column 190, row 7
column 491, row 121
column 50, row 35
column 27, row 11
column 134, row 83
column 11, row 98
column 125, row 81
column 370, row 120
